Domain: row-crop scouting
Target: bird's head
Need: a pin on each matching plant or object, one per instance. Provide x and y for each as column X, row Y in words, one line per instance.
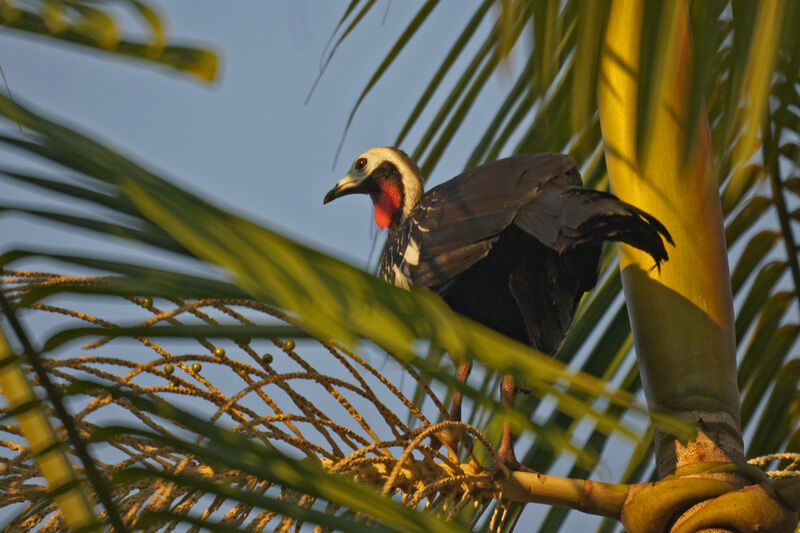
column 391, row 179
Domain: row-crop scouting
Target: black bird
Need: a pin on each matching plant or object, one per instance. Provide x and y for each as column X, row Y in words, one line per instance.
column 513, row 244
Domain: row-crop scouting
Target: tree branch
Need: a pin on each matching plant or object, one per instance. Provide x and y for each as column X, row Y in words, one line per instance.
column 593, row 497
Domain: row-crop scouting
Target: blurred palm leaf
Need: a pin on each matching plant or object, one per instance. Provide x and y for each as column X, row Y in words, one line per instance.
column 96, row 25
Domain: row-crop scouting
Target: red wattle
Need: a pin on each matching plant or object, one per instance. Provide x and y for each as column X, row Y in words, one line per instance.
column 387, row 204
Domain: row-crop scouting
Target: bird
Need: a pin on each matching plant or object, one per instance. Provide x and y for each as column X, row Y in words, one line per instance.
column 513, row 244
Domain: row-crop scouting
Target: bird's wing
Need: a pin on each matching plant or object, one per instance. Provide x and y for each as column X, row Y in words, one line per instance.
column 564, row 217
column 456, row 223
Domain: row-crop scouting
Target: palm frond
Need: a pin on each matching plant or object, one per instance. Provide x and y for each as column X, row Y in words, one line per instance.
column 91, row 25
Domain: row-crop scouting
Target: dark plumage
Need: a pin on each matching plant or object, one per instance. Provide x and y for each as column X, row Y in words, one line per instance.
column 513, row 244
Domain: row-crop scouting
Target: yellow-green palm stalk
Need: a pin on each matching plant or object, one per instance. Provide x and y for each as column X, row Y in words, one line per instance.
column 682, row 316
column 36, row 429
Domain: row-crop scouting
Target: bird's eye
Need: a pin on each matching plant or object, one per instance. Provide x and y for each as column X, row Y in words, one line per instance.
column 361, row 163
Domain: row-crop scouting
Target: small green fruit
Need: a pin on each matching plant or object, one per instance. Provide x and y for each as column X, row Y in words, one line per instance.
column 268, row 358
column 288, row 345
column 168, row 368
column 219, row 352
column 196, row 367
column 147, row 301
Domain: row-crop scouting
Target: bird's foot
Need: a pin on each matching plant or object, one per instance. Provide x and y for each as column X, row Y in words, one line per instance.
column 451, row 438
column 506, row 463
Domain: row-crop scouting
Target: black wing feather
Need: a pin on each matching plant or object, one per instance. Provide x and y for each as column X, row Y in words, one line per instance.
column 565, row 217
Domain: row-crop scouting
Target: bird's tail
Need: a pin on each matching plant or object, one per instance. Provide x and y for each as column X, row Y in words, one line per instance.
column 604, row 217
column 589, row 217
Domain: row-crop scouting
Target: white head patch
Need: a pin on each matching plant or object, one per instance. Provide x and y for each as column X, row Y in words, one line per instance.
column 409, row 173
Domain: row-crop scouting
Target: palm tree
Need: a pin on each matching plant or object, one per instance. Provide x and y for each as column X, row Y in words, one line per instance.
column 690, row 101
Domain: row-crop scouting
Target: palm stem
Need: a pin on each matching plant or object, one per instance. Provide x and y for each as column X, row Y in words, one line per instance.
column 593, row 497
column 682, row 316
column 44, row 444
column 17, row 384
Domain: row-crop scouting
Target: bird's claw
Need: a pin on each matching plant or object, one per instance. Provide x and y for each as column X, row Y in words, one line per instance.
column 506, row 463
column 450, row 438
column 500, row 471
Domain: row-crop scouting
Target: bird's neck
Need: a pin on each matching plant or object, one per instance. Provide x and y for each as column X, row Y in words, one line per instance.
column 412, row 194
column 388, row 204
column 395, row 200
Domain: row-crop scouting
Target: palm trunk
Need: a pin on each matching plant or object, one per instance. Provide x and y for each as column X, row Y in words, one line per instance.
column 682, row 317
